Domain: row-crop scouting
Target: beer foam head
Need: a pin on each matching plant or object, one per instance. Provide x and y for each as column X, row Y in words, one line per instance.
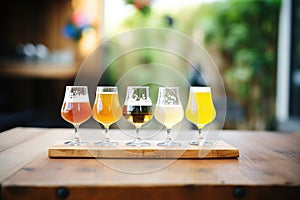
column 139, row 102
column 107, row 90
column 200, row 89
column 76, row 94
column 101, row 92
column 138, row 95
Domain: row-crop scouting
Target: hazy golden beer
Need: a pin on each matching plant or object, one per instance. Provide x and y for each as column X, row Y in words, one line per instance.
column 107, row 109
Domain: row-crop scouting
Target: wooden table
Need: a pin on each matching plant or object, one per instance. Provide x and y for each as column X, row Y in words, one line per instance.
column 268, row 168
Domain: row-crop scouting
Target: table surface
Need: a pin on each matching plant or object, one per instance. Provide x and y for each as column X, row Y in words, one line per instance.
column 268, row 168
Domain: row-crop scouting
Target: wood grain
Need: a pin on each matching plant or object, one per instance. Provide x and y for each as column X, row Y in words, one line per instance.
column 220, row 150
column 16, row 136
column 27, row 145
column 267, row 168
column 218, row 192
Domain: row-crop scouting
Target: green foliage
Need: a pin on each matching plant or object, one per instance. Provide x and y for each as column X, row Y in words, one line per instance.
column 245, row 33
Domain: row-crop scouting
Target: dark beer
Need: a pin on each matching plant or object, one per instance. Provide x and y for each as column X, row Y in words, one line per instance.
column 139, row 114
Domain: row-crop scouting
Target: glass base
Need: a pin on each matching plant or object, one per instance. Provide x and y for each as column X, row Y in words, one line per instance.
column 138, row 144
column 201, row 143
column 169, row 143
column 106, row 143
column 75, row 143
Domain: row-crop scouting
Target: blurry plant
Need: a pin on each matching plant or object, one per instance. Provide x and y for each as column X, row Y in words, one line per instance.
column 245, row 34
column 139, row 19
column 141, row 5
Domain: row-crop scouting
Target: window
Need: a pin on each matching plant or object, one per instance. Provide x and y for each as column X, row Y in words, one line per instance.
column 288, row 82
column 294, row 108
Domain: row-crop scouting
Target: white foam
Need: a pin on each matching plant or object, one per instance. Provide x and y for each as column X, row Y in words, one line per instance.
column 200, row 89
column 80, row 99
column 143, row 102
column 168, row 106
column 101, row 92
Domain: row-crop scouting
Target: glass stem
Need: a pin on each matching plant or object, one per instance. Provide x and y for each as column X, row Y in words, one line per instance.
column 169, row 134
column 106, row 134
column 76, row 127
column 137, row 134
column 200, row 137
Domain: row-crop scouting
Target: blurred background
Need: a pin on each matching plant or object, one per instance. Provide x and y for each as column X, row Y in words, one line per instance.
column 254, row 43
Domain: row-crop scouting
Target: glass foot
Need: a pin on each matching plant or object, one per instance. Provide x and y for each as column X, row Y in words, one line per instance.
column 201, row 143
column 106, row 143
column 169, row 144
column 75, row 143
column 138, row 144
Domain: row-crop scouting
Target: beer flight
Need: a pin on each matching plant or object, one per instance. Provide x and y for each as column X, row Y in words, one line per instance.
column 138, row 110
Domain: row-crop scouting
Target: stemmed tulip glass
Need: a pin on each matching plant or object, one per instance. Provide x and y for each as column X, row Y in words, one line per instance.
column 138, row 110
column 168, row 111
column 200, row 111
column 107, row 110
column 76, row 109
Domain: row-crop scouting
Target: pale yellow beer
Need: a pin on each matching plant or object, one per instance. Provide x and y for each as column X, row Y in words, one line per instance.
column 200, row 108
column 168, row 111
column 168, row 115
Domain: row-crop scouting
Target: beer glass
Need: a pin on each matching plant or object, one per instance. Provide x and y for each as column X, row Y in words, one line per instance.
column 200, row 111
column 168, row 111
column 107, row 110
column 138, row 110
column 76, row 109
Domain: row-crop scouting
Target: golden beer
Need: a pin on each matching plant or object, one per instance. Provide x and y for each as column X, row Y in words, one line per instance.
column 107, row 109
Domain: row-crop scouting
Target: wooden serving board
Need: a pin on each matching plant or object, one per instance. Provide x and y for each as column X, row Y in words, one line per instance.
column 220, row 150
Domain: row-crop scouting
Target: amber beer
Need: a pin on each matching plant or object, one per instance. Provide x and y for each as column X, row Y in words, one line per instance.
column 107, row 109
column 138, row 114
column 76, row 112
column 76, row 109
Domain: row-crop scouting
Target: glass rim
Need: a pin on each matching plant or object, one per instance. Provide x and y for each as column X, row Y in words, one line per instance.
column 76, row 86
column 168, row 87
column 200, row 89
column 107, row 86
column 137, row 86
column 106, row 89
column 72, row 87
